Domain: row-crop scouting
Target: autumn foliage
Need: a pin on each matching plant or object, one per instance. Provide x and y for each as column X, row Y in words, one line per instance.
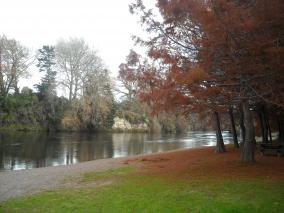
column 212, row 55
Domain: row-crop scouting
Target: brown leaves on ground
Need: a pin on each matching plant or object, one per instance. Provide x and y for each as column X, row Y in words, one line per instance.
column 203, row 162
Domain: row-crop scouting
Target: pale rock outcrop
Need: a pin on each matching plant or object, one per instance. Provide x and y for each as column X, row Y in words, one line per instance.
column 121, row 124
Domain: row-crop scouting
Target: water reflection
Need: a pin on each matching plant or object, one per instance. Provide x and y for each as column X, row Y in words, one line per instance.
column 20, row 150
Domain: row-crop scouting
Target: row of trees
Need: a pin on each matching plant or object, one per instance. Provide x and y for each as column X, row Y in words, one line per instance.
column 217, row 56
column 71, row 64
column 85, row 78
column 89, row 102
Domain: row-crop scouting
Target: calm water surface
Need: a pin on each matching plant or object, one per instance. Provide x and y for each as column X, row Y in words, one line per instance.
column 19, row 150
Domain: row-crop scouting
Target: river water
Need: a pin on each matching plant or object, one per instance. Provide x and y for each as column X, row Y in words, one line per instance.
column 21, row 150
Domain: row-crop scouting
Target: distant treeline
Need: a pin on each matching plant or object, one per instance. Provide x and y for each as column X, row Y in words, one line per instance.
column 89, row 104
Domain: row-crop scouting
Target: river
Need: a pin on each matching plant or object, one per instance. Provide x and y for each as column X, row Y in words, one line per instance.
column 25, row 150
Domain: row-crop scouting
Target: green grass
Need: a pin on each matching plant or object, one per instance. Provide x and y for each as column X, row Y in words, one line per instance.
column 147, row 194
column 93, row 176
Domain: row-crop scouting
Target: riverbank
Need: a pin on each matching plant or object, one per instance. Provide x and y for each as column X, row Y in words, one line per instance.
column 19, row 183
column 195, row 179
column 26, row 182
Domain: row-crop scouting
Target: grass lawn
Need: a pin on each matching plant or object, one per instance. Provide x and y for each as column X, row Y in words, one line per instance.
column 131, row 190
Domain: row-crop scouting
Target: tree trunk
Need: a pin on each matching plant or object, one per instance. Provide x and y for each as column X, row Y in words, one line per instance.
column 261, row 126
column 242, row 126
column 280, row 129
column 247, row 151
column 264, row 129
column 220, row 147
column 70, row 91
column 2, row 87
column 269, row 129
column 234, row 132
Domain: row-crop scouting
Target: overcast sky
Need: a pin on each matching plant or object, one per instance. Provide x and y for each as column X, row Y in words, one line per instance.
column 106, row 25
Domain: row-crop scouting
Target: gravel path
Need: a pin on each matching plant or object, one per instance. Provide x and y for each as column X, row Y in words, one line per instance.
column 25, row 182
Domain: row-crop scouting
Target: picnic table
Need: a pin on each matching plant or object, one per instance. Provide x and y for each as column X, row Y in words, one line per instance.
column 272, row 148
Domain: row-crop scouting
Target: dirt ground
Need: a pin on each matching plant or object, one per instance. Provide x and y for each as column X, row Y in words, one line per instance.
column 200, row 162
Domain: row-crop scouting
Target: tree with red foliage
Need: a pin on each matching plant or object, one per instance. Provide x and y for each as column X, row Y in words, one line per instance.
column 214, row 54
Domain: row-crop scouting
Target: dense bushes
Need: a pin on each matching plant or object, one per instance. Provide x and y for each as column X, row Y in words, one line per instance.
column 26, row 111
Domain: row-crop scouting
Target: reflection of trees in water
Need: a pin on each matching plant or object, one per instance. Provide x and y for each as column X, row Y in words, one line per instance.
column 103, row 146
column 67, row 149
column 79, row 147
column 126, row 144
column 123, row 144
column 29, row 150
column 25, row 150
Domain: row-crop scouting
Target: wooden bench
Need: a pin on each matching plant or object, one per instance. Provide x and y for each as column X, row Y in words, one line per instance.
column 276, row 148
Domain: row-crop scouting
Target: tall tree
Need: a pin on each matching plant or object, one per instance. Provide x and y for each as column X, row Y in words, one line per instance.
column 75, row 60
column 98, row 100
column 127, row 75
column 46, row 63
column 47, row 88
column 237, row 44
column 14, row 63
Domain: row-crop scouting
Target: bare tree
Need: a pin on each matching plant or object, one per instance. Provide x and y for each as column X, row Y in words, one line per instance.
column 14, row 63
column 76, row 61
column 97, row 101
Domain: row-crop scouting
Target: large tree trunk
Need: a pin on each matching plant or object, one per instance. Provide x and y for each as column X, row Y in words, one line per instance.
column 263, row 124
column 247, row 151
column 280, row 129
column 234, row 132
column 242, row 126
column 220, row 147
column 268, row 127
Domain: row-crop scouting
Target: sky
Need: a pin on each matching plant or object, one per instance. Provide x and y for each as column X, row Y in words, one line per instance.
column 106, row 25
